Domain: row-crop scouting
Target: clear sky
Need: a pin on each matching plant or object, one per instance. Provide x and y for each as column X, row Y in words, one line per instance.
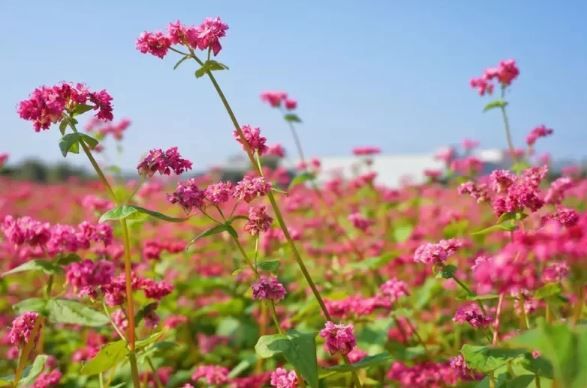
column 387, row 73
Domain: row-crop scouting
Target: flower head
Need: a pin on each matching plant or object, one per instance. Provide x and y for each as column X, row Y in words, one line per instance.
column 282, row 378
column 259, row 221
column 436, row 253
column 472, row 314
column 273, row 98
column 188, row 195
column 250, row 188
column 211, row 374
column 538, row 132
column 268, row 288
column 207, row 35
column 163, row 162
column 340, row 338
column 22, row 328
column 252, row 139
column 154, row 43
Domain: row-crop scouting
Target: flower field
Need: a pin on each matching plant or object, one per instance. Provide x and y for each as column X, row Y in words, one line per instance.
column 474, row 278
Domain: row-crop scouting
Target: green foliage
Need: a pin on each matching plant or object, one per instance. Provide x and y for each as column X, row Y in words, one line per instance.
column 32, row 372
column 299, row 349
column 72, row 312
column 292, row 118
column 495, row 104
column 45, row 266
column 215, row 230
column 209, row 66
column 302, row 178
column 108, row 357
column 506, row 222
column 564, row 347
column 125, row 211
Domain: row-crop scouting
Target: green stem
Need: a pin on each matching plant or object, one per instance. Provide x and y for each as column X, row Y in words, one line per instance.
column 49, row 287
column 469, row 292
column 127, row 264
column 506, row 123
column 297, row 140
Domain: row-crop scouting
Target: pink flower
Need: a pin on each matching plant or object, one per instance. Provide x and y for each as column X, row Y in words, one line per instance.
column 218, row 193
column 469, row 144
column 252, row 139
column 250, row 188
column 155, row 290
column 555, row 272
column 424, row 375
column 518, row 192
column 86, row 275
column 436, row 254
column 154, row 43
column 259, row 221
column 163, row 162
column 359, row 221
column 276, row 150
column 188, row 195
column 477, row 192
column 208, row 34
column 472, row 314
column 22, row 328
column 268, row 288
column 46, row 105
column 3, row 159
column 339, row 338
column 482, row 85
column 273, row 98
column 177, row 32
column 282, row 378
column 566, row 217
column 394, row 289
column 537, row 133
column 366, row 151
column 25, row 230
column 556, row 192
column 211, row 374
column 290, row 104
column 48, row 379
column 503, row 273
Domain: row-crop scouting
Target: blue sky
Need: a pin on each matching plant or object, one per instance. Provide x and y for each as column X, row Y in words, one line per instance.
column 387, row 73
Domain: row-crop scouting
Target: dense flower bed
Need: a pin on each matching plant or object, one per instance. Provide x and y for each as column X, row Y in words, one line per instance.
column 272, row 281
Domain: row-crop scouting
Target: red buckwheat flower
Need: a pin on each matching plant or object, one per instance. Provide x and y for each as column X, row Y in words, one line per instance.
column 268, row 288
column 163, row 162
column 339, row 338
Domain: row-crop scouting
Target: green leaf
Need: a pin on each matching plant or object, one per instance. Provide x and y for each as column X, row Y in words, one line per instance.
column 158, row 215
column 210, row 65
column 292, row 118
column 402, row 232
column 506, row 222
column 299, row 349
column 90, row 141
column 185, row 57
column 140, row 344
column 72, row 312
column 31, row 304
column 564, row 348
column 70, row 143
column 486, row 359
column 548, row 290
column 63, row 125
column 269, row 265
column 215, row 230
column 483, row 297
column 302, row 178
column 366, row 362
column 448, row 271
column 45, row 266
column 495, row 104
column 81, row 109
column 32, row 372
column 66, row 259
column 118, row 213
column 109, row 356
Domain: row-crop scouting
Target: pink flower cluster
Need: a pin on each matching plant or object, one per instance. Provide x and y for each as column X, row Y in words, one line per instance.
column 504, row 73
column 259, row 221
column 46, row 105
column 538, row 132
column 250, row 188
column 282, row 378
column 438, row 253
column 48, row 379
column 22, row 328
column 211, row 374
column 25, row 230
column 516, row 193
column 424, row 375
column 188, row 195
column 339, row 338
column 394, row 289
column 252, row 139
column 503, row 273
column 471, row 313
column 104, row 128
column 206, row 36
column 276, row 98
column 359, row 221
column 85, row 276
column 163, row 162
column 268, row 288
